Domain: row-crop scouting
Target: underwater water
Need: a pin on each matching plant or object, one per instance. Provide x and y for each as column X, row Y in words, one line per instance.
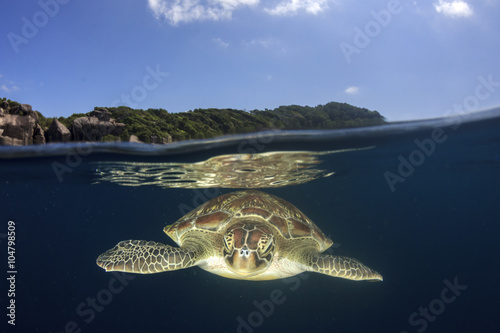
column 417, row 201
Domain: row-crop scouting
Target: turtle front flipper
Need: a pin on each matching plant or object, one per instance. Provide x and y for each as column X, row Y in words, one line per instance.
column 138, row 256
column 343, row 267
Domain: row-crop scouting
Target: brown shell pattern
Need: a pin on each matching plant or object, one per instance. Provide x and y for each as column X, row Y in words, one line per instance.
column 214, row 215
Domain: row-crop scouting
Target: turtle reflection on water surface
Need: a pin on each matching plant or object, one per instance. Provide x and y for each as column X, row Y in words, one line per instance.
column 246, row 235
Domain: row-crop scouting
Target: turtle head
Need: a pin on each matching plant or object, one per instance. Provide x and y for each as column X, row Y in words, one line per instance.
column 248, row 248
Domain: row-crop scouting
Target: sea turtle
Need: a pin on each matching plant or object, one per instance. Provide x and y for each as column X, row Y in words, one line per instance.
column 247, row 235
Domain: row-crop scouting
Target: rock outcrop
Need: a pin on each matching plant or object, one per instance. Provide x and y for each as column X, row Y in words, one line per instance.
column 19, row 125
column 95, row 126
column 102, row 114
column 17, row 130
column 38, row 135
column 57, row 132
column 134, row 139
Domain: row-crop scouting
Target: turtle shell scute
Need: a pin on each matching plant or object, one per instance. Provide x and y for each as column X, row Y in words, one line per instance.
column 215, row 215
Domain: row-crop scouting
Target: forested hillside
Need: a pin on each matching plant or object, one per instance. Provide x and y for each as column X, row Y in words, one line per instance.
column 160, row 126
column 207, row 123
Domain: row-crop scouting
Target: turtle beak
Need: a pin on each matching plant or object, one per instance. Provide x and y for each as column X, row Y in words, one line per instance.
column 244, row 252
column 245, row 262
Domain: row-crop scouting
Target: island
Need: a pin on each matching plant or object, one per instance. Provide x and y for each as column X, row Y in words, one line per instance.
column 21, row 125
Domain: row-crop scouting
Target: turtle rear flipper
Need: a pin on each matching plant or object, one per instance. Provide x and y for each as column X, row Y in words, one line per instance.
column 343, row 267
column 138, row 256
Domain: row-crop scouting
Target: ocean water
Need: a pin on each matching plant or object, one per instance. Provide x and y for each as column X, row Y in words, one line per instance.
column 417, row 201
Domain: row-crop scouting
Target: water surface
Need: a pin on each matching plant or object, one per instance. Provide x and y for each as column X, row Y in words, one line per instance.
column 416, row 201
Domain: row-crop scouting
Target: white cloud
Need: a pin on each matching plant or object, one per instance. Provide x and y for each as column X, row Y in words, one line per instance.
column 291, row 7
column 269, row 44
column 352, row 90
column 455, row 8
column 8, row 89
column 176, row 11
column 221, row 43
column 262, row 42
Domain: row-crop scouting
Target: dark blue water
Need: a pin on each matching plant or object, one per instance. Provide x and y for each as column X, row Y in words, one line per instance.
column 431, row 228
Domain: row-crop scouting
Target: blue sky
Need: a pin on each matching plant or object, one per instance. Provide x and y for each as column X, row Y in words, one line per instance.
column 405, row 59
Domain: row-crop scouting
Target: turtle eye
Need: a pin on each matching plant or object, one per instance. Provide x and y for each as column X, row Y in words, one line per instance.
column 265, row 244
column 229, row 241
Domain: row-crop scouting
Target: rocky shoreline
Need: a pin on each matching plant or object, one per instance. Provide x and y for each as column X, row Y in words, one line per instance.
column 20, row 126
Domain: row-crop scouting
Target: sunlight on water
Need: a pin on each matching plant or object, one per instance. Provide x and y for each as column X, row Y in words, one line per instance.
column 272, row 169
